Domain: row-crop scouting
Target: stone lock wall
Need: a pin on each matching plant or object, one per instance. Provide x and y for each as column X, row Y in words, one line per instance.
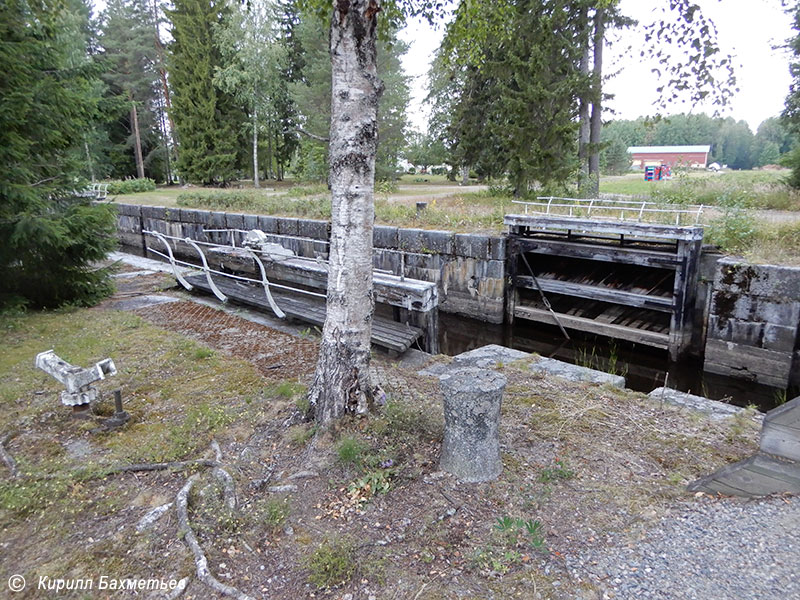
column 753, row 323
column 469, row 269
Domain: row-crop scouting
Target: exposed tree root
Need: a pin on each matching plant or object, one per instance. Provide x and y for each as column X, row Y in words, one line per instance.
column 228, row 489
column 7, row 458
column 179, row 464
column 200, row 560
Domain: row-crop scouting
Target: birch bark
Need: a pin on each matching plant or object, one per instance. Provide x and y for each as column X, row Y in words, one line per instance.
column 341, row 381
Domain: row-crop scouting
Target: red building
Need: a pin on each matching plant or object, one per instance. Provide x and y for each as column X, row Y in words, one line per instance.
column 693, row 157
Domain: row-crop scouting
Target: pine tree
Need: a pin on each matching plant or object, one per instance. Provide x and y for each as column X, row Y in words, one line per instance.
column 47, row 102
column 208, row 121
column 132, row 77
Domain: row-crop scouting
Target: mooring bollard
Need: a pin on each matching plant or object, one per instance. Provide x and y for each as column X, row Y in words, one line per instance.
column 471, row 447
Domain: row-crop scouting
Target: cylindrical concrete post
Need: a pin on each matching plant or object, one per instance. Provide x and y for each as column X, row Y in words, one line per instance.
column 471, row 447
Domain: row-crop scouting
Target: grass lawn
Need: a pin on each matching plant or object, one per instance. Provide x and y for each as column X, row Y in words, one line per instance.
column 751, row 189
column 361, row 508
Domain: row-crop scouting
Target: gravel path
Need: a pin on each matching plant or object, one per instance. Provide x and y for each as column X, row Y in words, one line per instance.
column 727, row 549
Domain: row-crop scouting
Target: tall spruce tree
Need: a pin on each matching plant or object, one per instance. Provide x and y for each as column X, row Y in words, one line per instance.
column 208, row 120
column 48, row 99
column 518, row 106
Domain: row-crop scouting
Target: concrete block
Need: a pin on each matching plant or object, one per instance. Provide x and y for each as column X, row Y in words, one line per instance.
column 776, row 281
column 314, row 229
column 495, row 269
column 129, row 224
column 204, row 217
column 497, row 248
column 218, row 220
column 746, row 332
column 191, row 215
column 268, row 224
column 713, row 408
column 250, row 222
column 410, row 240
column 731, row 305
column 287, row 226
column 154, row 212
column 470, row 245
column 736, row 276
column 488, row 357
column 575, row 372
column 129, row 210
column 385, row 237
column 424, row 261
column 438, row 242
column 786, row 313
column 234, row 221
column 780, row 338
column 719, row 329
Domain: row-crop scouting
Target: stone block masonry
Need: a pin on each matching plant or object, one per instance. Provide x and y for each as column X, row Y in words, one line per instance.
column 469, row 269
column 753, row 323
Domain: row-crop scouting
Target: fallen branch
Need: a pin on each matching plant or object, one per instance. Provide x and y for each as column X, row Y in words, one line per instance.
column 7, row 458
column 200, row 560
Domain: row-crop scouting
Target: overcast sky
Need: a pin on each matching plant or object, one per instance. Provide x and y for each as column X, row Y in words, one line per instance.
column 748, row 30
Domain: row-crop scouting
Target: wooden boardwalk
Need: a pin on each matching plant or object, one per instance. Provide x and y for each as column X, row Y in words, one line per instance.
column 388, row 334
column 775, row 469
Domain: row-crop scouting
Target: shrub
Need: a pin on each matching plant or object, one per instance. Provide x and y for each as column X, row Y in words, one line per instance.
column 350, row 451
column 311, row 207
column 332, row 563
column 131, row 186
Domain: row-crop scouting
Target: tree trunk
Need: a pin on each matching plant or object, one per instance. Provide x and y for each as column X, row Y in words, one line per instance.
column 583, row 133
column 88, row 157
column 137, row 142
column 342, row 382
column 162, row 71
column 597, row 105
column 255, row 147
column 270, row 153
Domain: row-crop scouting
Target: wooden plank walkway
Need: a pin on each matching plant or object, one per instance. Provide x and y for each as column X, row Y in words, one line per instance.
column 388, row 334
column 776, row 467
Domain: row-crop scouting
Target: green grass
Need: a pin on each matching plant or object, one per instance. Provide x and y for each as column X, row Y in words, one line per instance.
column 751, row 189
column 333, row 563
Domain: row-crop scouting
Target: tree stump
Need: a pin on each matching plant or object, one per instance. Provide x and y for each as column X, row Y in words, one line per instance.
column 471, row 447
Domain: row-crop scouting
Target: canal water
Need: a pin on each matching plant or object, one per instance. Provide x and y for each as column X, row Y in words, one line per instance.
column 644, row 368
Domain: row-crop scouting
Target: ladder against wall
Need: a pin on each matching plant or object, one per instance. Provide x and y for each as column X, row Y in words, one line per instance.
column 626, row 280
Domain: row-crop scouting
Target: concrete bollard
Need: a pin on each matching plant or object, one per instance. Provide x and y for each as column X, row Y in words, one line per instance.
column 471, row 447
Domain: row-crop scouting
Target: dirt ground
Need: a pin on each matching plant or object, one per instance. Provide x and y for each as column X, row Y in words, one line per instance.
column 357, row 512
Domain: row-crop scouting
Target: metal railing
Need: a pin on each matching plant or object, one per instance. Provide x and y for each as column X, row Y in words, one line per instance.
column 621, row 210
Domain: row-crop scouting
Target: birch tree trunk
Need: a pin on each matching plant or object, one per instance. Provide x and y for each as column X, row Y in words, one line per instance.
column 583, row 132
column 342, row 382
column 255, row 147
column 137, row 142
column 597, row 105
